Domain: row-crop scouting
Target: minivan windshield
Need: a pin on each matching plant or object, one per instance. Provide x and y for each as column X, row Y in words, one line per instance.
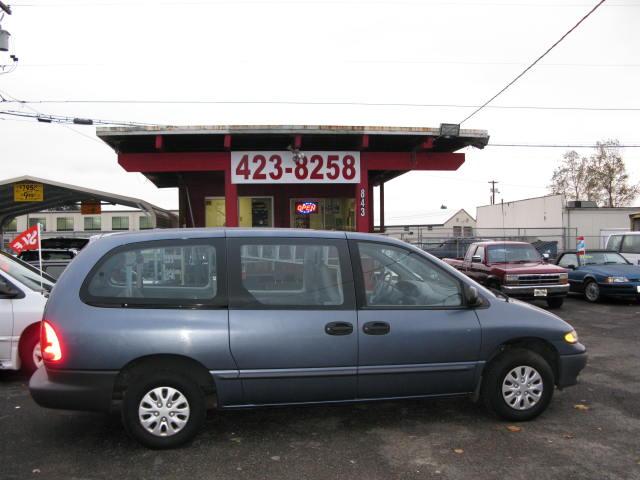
column 25, row 274
column 513, row 254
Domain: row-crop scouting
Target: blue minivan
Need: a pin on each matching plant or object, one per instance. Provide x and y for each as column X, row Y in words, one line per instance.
column 166, row 322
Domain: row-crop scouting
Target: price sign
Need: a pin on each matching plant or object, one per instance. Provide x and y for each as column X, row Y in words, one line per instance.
column 28, row 192
column 293, row 167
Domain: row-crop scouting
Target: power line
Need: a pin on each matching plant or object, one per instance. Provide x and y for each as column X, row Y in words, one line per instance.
column 47, row 118
column 130, row 3
column 320, row 103
column 534, row 62
column 539, row 145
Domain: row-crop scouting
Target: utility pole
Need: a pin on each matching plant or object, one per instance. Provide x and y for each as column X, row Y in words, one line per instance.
column 493, row 191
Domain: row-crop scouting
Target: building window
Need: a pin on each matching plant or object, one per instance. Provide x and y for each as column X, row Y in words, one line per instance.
column 145, row 223
column 92, row 223
column 64, row 224
column 120, row 223
column 41, row 221
column 468, row 231
column 457, row 231
column 12, row 226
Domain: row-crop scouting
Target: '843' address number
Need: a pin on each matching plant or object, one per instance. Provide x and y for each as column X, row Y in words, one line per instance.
column 287, row 167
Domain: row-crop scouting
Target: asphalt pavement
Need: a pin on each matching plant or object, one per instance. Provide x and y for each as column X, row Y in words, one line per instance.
column 590, row 431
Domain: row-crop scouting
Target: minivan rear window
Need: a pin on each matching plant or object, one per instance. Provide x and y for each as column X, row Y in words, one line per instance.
column 163, row 274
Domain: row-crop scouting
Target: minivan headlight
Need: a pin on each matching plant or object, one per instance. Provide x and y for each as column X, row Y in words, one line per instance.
column 564, row 278
column 571, row 337
column 616, row 279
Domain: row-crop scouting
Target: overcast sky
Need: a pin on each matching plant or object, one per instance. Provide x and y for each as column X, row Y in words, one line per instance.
column 406, row 51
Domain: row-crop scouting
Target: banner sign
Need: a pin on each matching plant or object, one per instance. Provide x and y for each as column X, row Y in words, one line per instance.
column 28, row 192
column 580, row 246
column 27, row 240
column 295, row 167
column 90, row 208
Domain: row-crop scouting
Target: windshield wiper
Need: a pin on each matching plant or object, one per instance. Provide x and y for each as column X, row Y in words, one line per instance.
column 499, row 293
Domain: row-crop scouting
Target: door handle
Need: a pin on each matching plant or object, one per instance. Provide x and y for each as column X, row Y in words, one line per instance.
column 376, row 328
column 338, row 328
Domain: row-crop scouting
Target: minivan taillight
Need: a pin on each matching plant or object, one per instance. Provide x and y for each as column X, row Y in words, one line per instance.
column 49, row 343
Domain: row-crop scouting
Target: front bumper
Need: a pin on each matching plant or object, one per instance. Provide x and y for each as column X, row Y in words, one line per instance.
column 73, row 390
column 569, row 366
column 527, row 291
column 626, row 289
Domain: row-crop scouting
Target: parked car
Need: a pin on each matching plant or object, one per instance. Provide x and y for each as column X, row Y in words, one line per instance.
column 450, row 248
column 54, row 260
column 627, row 244
column 601, row 273
column 160, row 320
column 22, row 302
column 515, row 268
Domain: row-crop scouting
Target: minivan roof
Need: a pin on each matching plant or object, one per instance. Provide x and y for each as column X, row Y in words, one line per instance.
column 238, row 232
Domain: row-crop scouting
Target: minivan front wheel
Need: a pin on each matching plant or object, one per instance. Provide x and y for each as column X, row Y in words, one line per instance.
column 518, row 385
column 163, row 409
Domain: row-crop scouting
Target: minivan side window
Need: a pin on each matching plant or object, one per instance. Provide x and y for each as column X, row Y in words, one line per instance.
column 614, row 242
column 631, row 244
column 395, row 277
column 289, row 273
column 163, row 273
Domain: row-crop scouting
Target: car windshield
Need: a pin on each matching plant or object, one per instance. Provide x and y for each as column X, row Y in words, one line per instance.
column 513, row 254
column 602, row 258
column 23, row 273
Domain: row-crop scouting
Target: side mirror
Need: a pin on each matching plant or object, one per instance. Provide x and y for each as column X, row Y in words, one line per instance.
column 473, row 297
column 7, row 290
column 571, row 267
column 476, row 259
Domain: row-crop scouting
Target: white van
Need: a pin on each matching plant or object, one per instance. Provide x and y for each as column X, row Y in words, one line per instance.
column 22, row 299
column 627, row 244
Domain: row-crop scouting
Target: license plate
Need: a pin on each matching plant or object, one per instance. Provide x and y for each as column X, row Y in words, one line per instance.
column 638, row 288
column 540, row 292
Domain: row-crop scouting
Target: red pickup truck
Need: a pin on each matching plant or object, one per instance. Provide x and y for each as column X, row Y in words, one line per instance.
column 515, row 268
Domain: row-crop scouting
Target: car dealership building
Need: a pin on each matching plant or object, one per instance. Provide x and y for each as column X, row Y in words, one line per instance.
column 319, row 177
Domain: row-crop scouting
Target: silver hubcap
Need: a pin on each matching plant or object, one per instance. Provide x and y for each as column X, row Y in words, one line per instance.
column 522, row 388
column 592, row 291
column 36, row 356
column 163, row 411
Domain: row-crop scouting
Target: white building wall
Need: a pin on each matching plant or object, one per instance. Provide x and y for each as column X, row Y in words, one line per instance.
column 78, row 222
column 540, row 212
column 596, row 224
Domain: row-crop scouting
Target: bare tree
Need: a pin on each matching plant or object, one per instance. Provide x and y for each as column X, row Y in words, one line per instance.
column 610, row 175
column 574, row 178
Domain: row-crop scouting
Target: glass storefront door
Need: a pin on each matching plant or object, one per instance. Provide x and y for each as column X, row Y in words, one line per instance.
column 255, row 211
column 214, row 212
column 323, row 213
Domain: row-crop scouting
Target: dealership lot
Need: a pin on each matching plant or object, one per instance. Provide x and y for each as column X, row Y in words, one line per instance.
column 589, row 431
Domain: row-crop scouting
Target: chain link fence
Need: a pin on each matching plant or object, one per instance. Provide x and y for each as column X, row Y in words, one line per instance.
column 552, row 241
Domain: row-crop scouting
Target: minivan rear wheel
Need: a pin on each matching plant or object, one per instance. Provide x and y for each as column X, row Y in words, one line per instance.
column 518, row 385
column 163, row 409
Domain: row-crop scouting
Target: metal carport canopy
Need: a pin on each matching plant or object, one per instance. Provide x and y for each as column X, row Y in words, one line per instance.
column 57, row 194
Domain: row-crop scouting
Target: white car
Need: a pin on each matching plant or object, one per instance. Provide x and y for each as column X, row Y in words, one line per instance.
column 626, row 244
column 23, row 295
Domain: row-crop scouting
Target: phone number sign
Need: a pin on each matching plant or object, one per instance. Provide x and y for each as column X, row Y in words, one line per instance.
column 292, row 167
